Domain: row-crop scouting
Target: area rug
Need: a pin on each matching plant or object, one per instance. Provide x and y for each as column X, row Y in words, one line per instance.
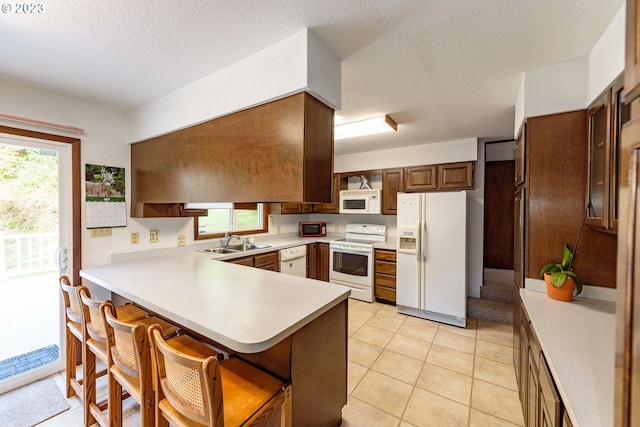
column 31, row 404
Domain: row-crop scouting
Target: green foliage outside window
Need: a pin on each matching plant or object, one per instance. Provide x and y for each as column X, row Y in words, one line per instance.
column 28, row 190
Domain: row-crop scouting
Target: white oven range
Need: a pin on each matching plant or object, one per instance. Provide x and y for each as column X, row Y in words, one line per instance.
column 351, row 259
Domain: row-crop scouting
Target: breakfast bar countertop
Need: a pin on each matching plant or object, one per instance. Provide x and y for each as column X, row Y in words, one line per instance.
column 245, row 309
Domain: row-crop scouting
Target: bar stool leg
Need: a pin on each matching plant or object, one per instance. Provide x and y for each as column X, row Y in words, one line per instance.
column 89, row 383
column 70, row 365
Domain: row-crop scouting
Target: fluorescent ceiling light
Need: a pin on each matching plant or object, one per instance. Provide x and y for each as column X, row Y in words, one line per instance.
column 365, row 127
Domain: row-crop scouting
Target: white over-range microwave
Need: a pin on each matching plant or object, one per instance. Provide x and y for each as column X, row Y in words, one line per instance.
column 361, row 201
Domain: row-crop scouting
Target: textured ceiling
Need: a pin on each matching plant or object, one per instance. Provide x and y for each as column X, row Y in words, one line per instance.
column 443, row 69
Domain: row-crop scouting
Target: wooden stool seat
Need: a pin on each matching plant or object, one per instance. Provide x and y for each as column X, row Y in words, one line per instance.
column 193, row 389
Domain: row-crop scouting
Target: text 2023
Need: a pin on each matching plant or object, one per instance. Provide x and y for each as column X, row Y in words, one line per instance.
column 28, row 8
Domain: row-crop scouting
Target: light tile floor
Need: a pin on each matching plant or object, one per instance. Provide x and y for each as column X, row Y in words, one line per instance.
column 405, row 371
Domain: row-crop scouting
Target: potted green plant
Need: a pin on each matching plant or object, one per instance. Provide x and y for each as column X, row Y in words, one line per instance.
column 560, row 280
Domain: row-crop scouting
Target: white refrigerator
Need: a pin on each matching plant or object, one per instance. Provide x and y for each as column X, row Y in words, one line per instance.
column 431, row 273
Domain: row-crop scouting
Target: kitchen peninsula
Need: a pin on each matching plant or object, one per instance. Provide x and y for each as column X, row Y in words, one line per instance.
column 295, row 328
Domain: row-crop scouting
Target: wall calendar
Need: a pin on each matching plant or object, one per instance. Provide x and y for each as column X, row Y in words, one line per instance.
column 104, row 197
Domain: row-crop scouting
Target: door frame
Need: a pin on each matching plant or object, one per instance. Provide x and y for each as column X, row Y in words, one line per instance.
column 75, row 188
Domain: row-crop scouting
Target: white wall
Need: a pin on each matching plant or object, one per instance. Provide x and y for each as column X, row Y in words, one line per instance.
column 295, row 64
column 573, row 84
column 553, row 89
column 606, row 59
column 460, row 150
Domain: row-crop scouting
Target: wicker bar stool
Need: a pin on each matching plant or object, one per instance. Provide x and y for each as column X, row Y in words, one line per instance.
column 73, row 335
column 95, row 338
column 130, row 362
column 193, row 389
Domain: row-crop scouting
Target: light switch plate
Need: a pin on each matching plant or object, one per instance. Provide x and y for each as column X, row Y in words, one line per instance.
column 100, row 232
column 135, row 238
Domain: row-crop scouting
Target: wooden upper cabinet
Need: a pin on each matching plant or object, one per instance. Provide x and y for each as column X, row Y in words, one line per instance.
column 520, row 156
column 621, row 114
column 281, row 151
column 606, row 116
column 632, row 51
column 420, row 178
column 598, row 179
column 455, row 175
column 334, row 206
column 392, row 184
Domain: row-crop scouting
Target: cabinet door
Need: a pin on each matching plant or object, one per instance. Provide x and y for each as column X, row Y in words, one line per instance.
column 519, row 237
column 620, row 115
column 598, row 172
column 268, row 261
column 392, row 184
column 550, row 410
column 520, row 156
column 323, row 264
column 455, row 176
column 524, row 366
column 334, row 206
column 532, row 393
column 632, row 51
column 318, row 261
column 420, row 178
column 290, row 208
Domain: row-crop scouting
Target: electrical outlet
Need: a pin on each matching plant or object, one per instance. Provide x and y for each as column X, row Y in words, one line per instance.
column 153, row 236
column 336, row 228
column 135, row 238
column 100, row 232
column 277, row 229
column 181, row 240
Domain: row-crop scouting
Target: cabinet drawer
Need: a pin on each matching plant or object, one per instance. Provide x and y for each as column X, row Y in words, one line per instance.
column 385, row 280
column 385, row 255
column 265, row 259
column 242, row 261
column 385, row 294
column 386, row 267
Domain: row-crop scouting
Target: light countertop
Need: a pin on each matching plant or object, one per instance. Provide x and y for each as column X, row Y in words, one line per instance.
column 578, row 341
column 245, row 309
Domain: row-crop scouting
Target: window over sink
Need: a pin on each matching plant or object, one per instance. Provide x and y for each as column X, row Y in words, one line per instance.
column 238, row 218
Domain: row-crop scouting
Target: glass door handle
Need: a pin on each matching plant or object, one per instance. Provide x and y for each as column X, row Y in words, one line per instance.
column 61, row 259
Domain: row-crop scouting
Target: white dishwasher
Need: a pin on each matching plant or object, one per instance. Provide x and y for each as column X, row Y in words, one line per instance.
column 294, row 261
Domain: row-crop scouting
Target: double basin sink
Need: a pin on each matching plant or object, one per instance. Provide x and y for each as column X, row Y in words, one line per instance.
column 233, row 249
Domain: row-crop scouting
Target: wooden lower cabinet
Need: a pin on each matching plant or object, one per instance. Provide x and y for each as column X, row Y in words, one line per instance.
column 266, row 261
column 541, row 402
column 318, row 261
column 385, row 275
column 550, row 405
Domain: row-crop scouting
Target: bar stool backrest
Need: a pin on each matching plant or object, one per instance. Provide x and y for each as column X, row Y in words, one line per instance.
column 127, row 343
column 70, row 295
column 94, row 322
column 192, row 385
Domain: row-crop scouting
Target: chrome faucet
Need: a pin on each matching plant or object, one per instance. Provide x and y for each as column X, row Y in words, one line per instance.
column 227, row 238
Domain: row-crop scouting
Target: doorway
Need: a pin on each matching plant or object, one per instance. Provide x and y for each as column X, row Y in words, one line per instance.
column 499, row 196
column 37, row 230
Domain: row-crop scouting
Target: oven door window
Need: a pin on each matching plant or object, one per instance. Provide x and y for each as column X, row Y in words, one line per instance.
column 351, row 264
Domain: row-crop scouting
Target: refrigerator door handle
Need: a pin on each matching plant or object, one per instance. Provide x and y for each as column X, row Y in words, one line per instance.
column 423, row 242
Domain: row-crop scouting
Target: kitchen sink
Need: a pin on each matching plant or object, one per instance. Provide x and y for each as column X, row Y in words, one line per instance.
column 220, row 251
column 246, row 247
column 232, row 249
